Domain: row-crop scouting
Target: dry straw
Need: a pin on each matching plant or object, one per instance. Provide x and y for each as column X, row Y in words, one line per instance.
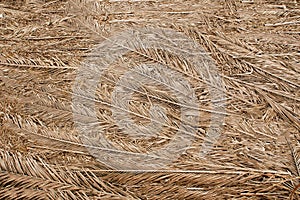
column 255, row 46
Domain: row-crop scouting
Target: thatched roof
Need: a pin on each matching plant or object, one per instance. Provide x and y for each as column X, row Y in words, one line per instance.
column 244, row 110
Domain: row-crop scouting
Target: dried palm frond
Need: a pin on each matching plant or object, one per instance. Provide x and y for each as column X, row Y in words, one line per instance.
column 21, row 176
column 254, row 46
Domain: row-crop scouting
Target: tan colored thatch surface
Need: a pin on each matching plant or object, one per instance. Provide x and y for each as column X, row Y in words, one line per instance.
column 255, row 46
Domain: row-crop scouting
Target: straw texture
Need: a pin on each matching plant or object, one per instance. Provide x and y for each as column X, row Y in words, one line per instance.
column 255, row 48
